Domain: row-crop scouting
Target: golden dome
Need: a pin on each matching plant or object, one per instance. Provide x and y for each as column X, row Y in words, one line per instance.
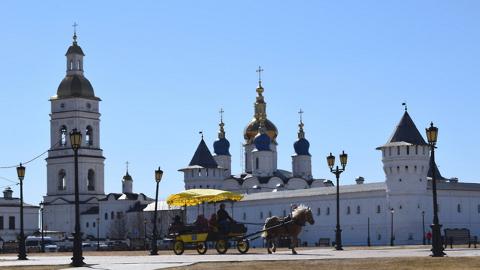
column 252, row 130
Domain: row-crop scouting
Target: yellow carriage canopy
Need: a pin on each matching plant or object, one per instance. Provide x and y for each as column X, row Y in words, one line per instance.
column 193, row 197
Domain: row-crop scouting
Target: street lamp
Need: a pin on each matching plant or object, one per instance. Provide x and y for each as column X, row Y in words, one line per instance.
column 437, row 248
column 22, row 253
column 158, row 178
column 337, row 171
column 41, row 231
column 392, row 237
column 77, row 259
column 98, row 233
column 423, row 227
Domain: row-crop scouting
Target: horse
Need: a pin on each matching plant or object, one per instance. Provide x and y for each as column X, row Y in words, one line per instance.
column 289, row 226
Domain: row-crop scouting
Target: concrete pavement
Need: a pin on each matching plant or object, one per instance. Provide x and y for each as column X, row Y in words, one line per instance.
column 164, row 261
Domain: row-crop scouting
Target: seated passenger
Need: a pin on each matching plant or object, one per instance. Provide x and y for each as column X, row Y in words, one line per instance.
column 177, row 225
column 224, row 219
column 201, row 223
column 212, row 223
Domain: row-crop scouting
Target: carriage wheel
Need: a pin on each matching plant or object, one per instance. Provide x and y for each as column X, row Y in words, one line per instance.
column 243, row 246
column 221, row 246
column 178, row 247
column 202, row 247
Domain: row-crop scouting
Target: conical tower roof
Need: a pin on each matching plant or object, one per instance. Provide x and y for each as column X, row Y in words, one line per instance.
column 203, row 157
column 405, row 133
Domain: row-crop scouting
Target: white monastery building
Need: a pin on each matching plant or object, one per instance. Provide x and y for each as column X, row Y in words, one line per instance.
column 405, row 194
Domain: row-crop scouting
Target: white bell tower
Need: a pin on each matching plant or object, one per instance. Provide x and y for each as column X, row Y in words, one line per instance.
column 74, row 107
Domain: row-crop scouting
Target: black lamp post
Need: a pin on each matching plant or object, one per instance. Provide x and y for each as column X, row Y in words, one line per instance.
column 337, row 171
column 158, row 178
column 423, row 228
column 437, row 248
column 41, row 230
column 392, row 236
column 145, row 233
column 22, row 253
column 98, row 233
column 77, row 259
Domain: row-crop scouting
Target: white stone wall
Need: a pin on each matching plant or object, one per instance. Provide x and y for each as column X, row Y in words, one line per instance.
column 224, row 162
column 30, row 221
column 266, row 165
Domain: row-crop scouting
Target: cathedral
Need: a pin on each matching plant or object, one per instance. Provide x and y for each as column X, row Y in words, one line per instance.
column 367, row 208
column 398, row 209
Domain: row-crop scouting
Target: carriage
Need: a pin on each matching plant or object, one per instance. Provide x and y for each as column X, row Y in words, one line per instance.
column 196, row 237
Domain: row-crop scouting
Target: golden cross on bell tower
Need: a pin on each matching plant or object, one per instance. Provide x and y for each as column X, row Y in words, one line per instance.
column 75, row 24
column 259, row 71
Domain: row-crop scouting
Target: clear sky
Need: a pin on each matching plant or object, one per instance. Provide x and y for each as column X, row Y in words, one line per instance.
column 164, row 69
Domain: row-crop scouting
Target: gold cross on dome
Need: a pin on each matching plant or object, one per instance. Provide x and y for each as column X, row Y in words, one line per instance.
column 259, row 71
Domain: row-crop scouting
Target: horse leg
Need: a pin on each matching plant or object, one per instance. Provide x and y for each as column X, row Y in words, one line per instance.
column 274, row 244
column 269, row 244
column 293, row 244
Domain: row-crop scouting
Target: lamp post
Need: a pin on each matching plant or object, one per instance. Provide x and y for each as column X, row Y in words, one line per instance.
column 145, row 233
column 41, row 230
column 437, row 248
column 98, row 233
column 392, row 237
column 22, row 253
column 423, row 228
column 158, row 178
column 337, row 171
column 77, row 259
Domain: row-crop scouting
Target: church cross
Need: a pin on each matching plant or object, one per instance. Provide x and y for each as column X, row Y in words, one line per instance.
column 126, row 163
column 221, row 114
column 405, row 105
column 201, row 133
column 301, row 114
column 75, row 24
column 259, row 71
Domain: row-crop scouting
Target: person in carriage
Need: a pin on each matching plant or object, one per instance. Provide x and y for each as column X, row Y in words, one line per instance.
column 201, row 223
column 224, row 220
column 176, row 226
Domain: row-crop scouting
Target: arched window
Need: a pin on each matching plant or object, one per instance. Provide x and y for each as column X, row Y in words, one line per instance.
column 319, row 211
column 348, row 210
column 63, row 136
column 106, row 216
column 398, row 150
column 358, row 209
column 78, row 64
column 89, row 136
column 378, row 209
column 408, row 150
column 416, row 149
column 459, row 208
column 62, row 182
column 256, row 163
column 112, row 215
column 91, row 180
column 87, row 224
column 328, row 211
column 244, row 216
column 71, row 65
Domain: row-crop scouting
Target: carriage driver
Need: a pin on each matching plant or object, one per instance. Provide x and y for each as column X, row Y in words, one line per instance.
column 224, row 219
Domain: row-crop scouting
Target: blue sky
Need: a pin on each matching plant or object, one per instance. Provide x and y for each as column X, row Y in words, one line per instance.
column 164, row 69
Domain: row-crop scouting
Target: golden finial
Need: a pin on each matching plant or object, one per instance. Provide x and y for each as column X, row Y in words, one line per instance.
column 259, row 88
column 301, row 133
column 221, row 133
